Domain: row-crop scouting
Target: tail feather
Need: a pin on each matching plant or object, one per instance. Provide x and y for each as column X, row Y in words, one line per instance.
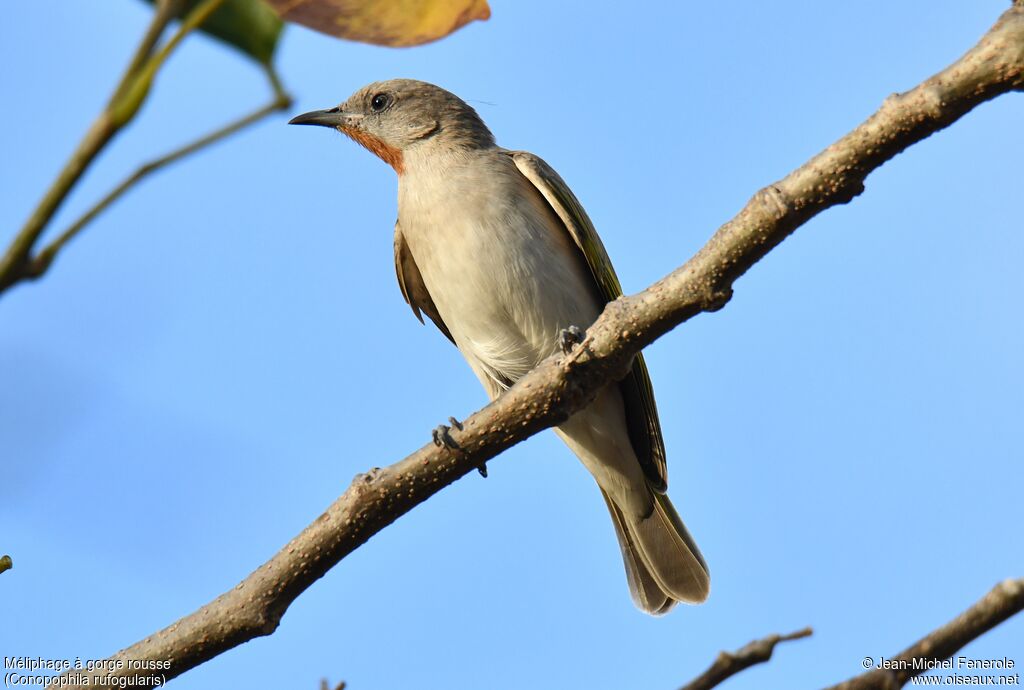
column 663, row 563
column 671, row 554
column 647, row 594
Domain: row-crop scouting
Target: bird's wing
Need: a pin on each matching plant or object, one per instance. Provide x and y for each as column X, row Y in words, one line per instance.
column 411, row 282
column 637, row 394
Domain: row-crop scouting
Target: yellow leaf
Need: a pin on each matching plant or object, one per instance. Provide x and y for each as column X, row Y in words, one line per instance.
column 384, row 22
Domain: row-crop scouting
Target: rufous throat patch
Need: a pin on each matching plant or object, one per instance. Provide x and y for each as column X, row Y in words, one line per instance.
column 388, row 154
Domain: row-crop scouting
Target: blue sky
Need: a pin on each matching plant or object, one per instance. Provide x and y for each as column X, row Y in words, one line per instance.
column 214, row 359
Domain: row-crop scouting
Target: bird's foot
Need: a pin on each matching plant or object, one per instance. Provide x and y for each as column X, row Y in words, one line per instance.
column 442, row 434
column 569, row 338
column 443, row 438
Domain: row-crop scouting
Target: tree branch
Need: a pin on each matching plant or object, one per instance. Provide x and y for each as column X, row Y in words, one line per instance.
column 163, row 13
column 1005, row 600
column 119, row 111
column 6, row 563
column 728, row 664
column 15, row 259
column 280, row 101
column 561, row 385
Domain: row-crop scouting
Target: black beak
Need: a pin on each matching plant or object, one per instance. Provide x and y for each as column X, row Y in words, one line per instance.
column 332, row 117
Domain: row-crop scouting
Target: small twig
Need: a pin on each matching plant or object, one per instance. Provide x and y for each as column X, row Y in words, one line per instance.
column 6, row 563
column 164, row 11
column 124, row 103
column 280, row 101
column 129, row 97
column 728, row 664
column 324, row 685
column 1005, row 600
column 15, row 258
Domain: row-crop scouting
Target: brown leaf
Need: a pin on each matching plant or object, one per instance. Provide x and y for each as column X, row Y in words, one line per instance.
column 384, row 22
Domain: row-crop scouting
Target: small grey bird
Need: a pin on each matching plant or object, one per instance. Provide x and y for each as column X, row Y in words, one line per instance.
column 496, row 250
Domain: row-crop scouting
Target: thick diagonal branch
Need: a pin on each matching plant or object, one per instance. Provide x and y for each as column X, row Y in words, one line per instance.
column 560, row 386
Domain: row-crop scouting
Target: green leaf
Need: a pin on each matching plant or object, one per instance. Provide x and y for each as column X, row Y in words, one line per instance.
column 247, row 25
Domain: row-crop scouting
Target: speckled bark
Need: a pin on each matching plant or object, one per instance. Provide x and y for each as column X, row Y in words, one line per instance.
column 562, row 385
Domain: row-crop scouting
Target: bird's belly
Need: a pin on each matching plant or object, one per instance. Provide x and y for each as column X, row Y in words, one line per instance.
column 504, row 283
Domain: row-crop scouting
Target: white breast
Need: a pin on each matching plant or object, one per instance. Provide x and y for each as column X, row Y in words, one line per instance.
column 501, row 269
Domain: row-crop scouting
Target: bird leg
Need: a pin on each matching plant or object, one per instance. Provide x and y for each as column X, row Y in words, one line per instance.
column 568, row 338
column 443, row 438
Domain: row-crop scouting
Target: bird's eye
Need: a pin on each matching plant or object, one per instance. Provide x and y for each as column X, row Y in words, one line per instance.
column 379, row 102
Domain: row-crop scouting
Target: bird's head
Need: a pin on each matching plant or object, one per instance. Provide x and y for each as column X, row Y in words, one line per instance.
column 390, row 118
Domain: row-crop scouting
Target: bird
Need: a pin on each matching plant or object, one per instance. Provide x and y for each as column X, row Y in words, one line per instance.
column 496, row 250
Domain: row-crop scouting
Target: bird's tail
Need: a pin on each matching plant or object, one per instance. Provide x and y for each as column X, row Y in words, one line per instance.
column 663, row 563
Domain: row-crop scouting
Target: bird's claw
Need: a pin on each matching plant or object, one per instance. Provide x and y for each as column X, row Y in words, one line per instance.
column 569, row 338
column 443, row 438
